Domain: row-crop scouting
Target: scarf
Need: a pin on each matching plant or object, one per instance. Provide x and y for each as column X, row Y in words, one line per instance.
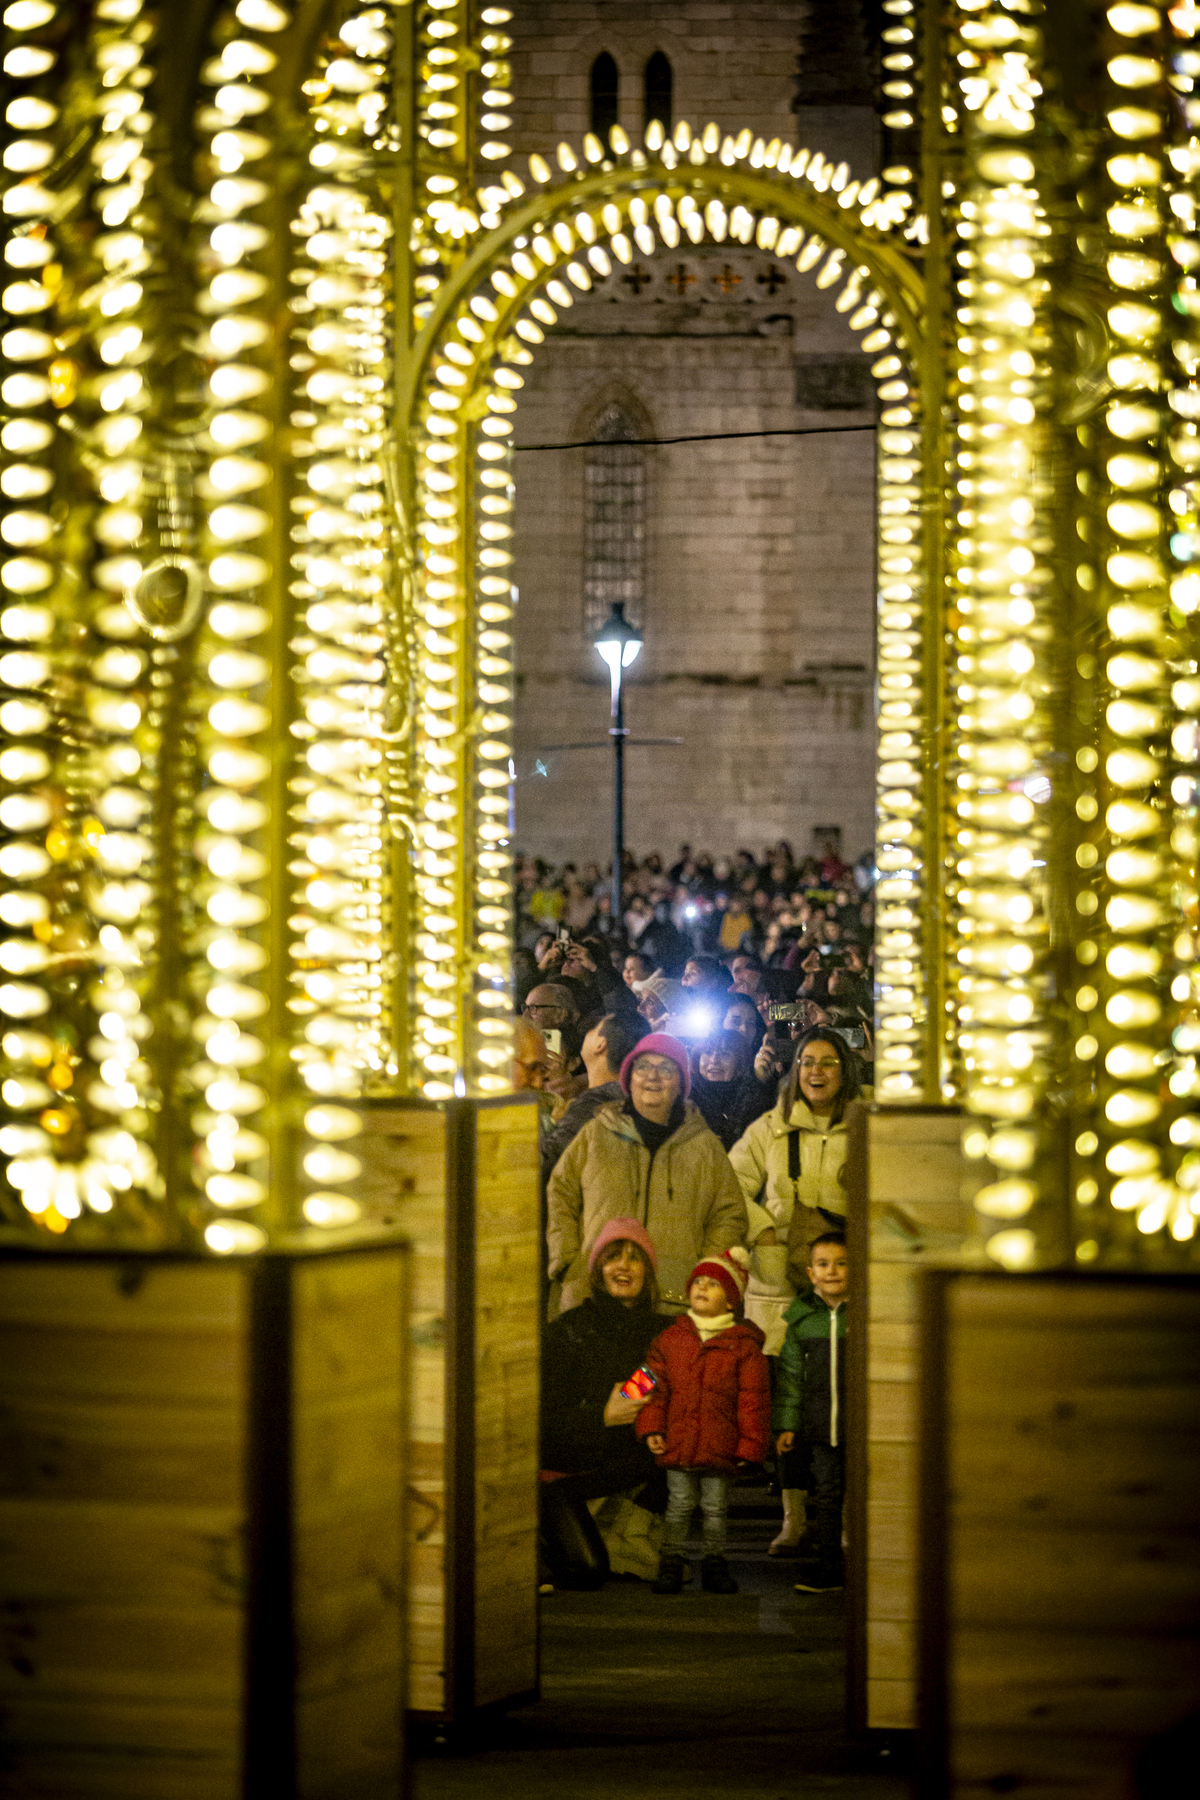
column 652, row 1134
column 710, row 1327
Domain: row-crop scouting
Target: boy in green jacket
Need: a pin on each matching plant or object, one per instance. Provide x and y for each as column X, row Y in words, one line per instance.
column 809, row 1408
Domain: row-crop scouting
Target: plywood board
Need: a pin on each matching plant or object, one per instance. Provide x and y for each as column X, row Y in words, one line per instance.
column 350, row 1381
column 461, row 1181
column 202, row 1537
column 122, row 1390
column 1061, row 1428
column 906, row 1212
column 507, row 1343
column 403, row 1153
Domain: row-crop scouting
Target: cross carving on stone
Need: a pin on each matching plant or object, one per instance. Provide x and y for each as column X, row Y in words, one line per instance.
column 727, row 280
column 772, row 280
column 680, row 279
column 637, row 278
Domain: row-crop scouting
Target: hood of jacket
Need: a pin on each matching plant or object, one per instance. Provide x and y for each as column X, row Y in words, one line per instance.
column 615, row 1119
column 801, row 1118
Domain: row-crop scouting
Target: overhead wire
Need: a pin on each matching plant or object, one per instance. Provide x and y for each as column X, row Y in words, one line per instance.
column 702, row 437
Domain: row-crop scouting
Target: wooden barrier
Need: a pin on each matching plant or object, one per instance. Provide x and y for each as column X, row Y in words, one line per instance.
column 461, row 1178
column 906, row 1212
column 1060, row 1438
column 202, row 1542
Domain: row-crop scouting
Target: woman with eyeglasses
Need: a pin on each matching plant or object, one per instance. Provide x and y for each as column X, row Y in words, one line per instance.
column 650, row 1157
column 790, row 1164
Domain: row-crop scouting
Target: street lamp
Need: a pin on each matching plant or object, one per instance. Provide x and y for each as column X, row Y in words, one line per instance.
column 618, row 643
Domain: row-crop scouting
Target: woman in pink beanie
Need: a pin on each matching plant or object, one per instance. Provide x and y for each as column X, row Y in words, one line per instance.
column 588, row 1447
column 622, row 1231
column 651, row 1158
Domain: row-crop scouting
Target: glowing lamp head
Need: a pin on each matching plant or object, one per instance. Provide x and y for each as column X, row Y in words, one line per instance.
column 618, row 643
column 617, row 640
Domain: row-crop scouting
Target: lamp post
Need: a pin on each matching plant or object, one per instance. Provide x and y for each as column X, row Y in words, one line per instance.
column 618, row 643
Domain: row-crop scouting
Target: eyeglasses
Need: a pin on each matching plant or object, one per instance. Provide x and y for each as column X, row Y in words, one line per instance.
column 808, row 1066
column 541, row 1006
column 658, row 1071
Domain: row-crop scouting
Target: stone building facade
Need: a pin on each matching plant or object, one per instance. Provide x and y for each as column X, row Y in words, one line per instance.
column 747, row 561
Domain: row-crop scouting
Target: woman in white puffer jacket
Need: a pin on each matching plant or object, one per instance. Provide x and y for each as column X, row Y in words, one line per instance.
column 789, row 1165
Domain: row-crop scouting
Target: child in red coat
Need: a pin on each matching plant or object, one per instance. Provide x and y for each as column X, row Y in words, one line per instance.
column 709, row 1411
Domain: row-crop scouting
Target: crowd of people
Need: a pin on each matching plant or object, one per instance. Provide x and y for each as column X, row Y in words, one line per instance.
column 693, row 1069
column 711, row 904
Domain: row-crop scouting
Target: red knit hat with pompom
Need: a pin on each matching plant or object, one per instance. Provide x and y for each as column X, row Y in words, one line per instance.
column 730, row 1267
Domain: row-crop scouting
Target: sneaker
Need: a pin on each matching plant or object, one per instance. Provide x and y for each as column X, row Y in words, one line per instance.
column 715, row 1577
column 669, row 1579
column 820, row 1578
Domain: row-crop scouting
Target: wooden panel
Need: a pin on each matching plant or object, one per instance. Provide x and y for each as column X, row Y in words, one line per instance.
column 906, row 1213
column 122, row 1395
column 1062, row 1438
column 461, row 1180
column 507, row 1338
column 403, row 1153
column 892, row 1646
column 202, row 1562
column 349, row 1374
column 891, row 1705
column 893, row 1589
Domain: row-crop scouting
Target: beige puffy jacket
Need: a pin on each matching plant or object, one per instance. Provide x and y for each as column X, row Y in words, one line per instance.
column 687, row 1197
column 763, row 1161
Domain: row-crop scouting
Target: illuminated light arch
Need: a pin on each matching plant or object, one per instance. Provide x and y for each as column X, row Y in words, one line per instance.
column 282, row 991
column 117, row 1130
column 480, row 330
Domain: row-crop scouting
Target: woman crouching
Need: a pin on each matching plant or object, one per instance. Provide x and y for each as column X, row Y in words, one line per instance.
column 589, row 1449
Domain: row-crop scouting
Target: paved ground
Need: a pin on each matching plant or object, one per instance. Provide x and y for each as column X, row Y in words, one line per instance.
column 737, row 1698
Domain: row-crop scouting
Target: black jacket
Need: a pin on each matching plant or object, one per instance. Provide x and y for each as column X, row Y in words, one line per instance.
column 585, row 1106
column 728, row 1107
column 586, row 1351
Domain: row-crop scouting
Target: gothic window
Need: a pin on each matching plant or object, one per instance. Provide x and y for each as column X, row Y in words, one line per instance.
column 660, row 84
column 605, row 89
column 615, row 520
